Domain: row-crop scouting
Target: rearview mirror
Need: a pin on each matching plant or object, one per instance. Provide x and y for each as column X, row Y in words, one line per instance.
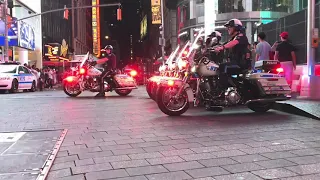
column 21, row 72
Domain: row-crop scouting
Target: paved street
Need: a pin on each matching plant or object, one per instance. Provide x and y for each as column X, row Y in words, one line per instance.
column 128, row 138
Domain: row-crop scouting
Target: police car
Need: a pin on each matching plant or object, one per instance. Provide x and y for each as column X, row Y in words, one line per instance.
column 14, row 77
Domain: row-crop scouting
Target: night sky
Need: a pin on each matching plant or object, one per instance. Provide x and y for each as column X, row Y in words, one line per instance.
column 119, row 31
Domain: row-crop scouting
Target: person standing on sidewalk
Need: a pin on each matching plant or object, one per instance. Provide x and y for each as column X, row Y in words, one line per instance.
column 263, row 48
column 285, row 53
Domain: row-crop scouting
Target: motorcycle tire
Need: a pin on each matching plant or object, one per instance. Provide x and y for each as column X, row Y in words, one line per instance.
column 260, row 107
column 153, row 91
column 164, row 108
column 69, row 94
column 123, row 92
column 148, row 89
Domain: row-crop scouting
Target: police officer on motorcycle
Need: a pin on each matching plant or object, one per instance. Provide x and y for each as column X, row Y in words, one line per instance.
column 237, row 45
column 214, row 40
column 109, row 63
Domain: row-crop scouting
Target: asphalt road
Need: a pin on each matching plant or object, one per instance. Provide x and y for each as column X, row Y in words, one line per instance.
column 130, row 139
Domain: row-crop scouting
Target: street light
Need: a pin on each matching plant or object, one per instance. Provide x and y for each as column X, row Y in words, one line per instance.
column 107, row 37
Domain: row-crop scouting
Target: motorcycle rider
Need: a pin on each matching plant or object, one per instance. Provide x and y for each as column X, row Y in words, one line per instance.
column 237, row 48
column 237, row 45
column 109, row 63
column 214, row 40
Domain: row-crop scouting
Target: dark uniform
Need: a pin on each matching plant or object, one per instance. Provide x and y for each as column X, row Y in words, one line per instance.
column 109, row 67
column 237, row 54
column 236, row 57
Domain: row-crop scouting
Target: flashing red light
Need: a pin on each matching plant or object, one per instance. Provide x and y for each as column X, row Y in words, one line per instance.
column 133, row 73
column 69, row 79
column 82, row 71
column 280, row 70
column 170, row 83
column 185, row 53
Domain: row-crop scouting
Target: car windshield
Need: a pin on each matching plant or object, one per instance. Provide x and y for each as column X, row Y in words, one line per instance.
column 8, row 68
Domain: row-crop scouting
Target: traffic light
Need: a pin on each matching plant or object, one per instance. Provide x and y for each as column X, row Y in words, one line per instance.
column 66, row 13
column 119, row 14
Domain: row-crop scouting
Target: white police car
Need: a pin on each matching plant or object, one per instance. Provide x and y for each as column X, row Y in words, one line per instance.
column 14, row 77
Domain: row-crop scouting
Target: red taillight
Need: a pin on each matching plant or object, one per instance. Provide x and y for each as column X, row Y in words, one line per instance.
column 133, row 73
column 69, row 79
column 280, row 70
column 82, row 71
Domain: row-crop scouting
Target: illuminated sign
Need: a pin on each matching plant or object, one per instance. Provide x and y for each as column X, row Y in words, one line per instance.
column 52, row 51
column 96, row 27
column 156, row 11
column 55, row 50
column 64, row 48
column 143, row 27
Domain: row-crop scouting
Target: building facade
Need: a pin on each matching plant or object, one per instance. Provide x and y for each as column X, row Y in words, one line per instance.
column 81, row 26
column 170, row 24
column 191, row 13
column 24, row 35
column 62, row 38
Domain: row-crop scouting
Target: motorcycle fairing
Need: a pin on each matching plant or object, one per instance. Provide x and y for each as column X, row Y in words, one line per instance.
column 271, row 84
column 124, row 80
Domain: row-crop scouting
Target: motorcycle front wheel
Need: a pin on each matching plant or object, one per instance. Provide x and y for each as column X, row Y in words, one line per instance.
column 148, row 88
column 170, row 105
column 72, row 91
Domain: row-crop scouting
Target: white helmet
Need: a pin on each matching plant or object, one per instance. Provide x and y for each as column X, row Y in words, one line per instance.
column 236, row 23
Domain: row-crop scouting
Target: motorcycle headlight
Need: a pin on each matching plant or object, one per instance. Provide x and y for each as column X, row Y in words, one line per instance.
column 182, row 64
column 193, row 69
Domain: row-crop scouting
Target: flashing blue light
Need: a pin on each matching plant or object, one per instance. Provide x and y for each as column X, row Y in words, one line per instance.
column 267, row 75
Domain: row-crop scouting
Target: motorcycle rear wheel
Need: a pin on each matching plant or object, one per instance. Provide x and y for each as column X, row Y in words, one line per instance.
column 123, row 92
column 163, row 105
column 71, row 94
column 260, row 107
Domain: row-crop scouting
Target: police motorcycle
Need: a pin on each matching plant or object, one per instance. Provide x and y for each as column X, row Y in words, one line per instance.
column 256, row 90
column 168, row 69
column 85, row 77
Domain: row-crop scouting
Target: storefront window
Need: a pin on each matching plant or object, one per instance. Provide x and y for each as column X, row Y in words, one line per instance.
column 200, row 9
column 273, row 5
column 226, row 6
column 304, row 4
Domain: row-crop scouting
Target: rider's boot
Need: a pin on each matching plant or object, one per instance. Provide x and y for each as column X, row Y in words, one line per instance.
column 101, row 93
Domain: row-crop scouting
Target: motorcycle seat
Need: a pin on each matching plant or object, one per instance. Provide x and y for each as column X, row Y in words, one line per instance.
column 232, row 69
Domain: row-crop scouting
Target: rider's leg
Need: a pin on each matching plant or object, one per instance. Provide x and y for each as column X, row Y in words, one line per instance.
column 101, row 80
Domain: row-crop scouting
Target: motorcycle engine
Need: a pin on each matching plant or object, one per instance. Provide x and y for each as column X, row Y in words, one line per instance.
column 210, row 85
column 232, row 97
column 90, row 83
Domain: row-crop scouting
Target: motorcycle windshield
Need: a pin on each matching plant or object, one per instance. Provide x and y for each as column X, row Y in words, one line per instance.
column 85, row 58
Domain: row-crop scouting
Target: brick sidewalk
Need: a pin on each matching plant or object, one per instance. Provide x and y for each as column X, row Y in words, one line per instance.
column 128, row 138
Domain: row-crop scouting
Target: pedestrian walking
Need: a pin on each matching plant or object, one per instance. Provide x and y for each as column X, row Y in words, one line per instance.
column 285, row 53
column 263, row 48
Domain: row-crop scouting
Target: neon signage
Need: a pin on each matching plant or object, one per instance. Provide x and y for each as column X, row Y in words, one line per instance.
column 96, row 27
